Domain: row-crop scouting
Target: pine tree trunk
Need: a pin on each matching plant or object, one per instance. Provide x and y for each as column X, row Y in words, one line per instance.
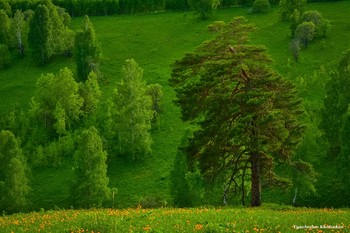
column 256, row 186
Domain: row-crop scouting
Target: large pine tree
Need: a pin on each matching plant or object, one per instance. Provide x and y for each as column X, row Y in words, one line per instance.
column 246, row 112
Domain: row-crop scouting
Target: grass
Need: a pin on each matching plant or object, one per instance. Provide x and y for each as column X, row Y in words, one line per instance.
column 180, row 220
column 155, row 41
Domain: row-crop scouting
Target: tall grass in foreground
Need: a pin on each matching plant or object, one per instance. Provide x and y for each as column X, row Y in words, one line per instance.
column 180, row 220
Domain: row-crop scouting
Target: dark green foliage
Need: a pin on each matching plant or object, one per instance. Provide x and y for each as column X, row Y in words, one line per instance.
column 48, row 34
column 40, row 34
column 247, row 113
column 5, row 25
column 14, row 184
column 87, row 52
column 245, row 2
column 335, row 128
column 287, row 7
column 133, row 113
column 179, row 188
column 96, row 7
column 54, row 153
column 186, row 181
column 176, row 5
column 5, row 56
column 90, row 183
column 336, row 104
column 203, row 8
column 261, row 6
column 195, row 182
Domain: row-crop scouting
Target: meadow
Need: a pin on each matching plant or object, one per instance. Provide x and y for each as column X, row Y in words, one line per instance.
column 272, row 218
column 155, row 41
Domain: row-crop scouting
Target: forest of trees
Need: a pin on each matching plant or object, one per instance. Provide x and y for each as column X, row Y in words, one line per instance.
column 246, row 121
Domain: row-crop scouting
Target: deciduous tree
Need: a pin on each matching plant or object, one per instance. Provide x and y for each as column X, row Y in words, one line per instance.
column 5, row 25
column 321, row 25
column 87, row 52
column 90, row 184
column 91, row 93
column 18, row 25
column 305, row 32
column 40, row 36
column 14, row 183
column 133, row 113
column 62, row 39
column 57, row 103
column 287, row 7
column 247, row 114
column 156, row 94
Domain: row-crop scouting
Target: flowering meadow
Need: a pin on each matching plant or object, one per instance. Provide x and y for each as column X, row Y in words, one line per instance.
column 180, row 220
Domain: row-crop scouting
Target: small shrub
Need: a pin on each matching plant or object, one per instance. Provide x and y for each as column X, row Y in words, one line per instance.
column 151, row 202
column 261, row 6
column 305, row 33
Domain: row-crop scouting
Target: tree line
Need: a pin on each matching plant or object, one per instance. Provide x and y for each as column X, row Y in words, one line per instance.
column 111, row 7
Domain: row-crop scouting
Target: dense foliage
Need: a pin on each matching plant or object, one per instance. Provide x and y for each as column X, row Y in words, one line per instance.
column 132, row 113
column 86, row 50
column 90, row 183
column 247, row 113
column 14, row 182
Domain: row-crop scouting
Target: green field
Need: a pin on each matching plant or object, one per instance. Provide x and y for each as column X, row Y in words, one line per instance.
column 282, row 219
column 155, row 41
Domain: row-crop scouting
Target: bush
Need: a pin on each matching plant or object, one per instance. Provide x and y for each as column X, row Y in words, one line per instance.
column 5, row 56
column 261, row 6
column 305, row 33
column 152, row 202
column 321, row 25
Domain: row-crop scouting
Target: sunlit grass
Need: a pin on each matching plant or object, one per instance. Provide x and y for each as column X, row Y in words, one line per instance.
column 155, row 41
column 180, row 220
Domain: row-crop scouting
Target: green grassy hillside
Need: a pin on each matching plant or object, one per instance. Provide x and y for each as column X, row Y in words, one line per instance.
column 155, row 41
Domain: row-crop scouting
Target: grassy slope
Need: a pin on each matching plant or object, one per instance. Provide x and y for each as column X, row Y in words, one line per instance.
column 154, row 41
column 180, row 220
